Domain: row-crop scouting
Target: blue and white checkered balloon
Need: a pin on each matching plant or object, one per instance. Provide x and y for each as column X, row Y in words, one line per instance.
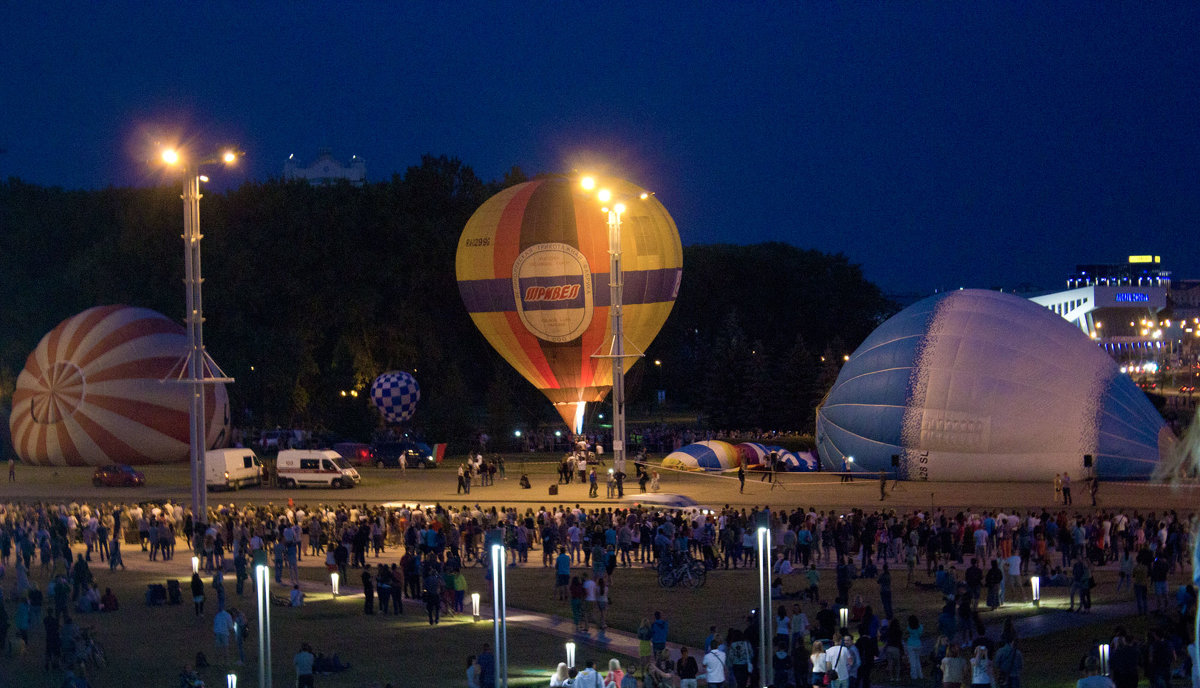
column 395, row 394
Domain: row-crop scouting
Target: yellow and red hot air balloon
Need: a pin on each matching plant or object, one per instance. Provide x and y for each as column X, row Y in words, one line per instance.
column 102, row 387
column 533, row 272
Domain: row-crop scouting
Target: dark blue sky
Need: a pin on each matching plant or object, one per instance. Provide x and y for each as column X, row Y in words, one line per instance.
column 938, row 144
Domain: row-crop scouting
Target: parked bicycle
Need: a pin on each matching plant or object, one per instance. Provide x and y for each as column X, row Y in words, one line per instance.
column 685, row 571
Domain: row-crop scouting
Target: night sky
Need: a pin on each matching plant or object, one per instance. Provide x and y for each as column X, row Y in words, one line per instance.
column 938, row 144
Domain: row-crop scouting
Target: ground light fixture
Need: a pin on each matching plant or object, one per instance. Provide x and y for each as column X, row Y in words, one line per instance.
column 195, row 564
column 570, row 645
column 843, row 618
column 1104, row 649
column 1035, row 585
column 334, row 579
column 475, row 605
column 231, row 680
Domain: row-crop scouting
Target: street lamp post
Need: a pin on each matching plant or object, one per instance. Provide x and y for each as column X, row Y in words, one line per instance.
column 262, row 582
column 613, row 209
column 495, row 544
column 197, row 368
column 764, row 597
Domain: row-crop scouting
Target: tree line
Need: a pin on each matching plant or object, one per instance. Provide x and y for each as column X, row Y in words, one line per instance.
column 311, row 291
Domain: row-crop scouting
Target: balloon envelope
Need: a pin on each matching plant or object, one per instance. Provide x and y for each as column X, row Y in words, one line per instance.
column 981, row 385
column 395, row 393
column 533, row 272
column 102, row 387
column 712, row 455
column 752, row 453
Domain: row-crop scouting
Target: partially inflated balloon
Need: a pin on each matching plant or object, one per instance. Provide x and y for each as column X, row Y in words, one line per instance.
column 533, row 272
column 103, row 387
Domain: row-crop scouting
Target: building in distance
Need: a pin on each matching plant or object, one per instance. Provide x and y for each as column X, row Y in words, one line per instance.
column 326, row 170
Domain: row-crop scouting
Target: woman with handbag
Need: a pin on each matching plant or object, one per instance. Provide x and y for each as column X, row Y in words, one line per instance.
column 819, row 667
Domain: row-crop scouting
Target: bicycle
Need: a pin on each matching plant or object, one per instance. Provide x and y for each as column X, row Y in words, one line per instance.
column 686, row 572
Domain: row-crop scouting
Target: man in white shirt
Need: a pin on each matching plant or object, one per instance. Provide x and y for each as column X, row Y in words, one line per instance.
column 714, row 668
column 840, row 658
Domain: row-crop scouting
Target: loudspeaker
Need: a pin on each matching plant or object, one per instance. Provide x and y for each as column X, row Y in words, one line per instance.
column 1087, row 460
column 895, row 460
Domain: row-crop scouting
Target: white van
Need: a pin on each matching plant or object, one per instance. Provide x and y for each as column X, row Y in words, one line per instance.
column 314, row 467
column 232, row 468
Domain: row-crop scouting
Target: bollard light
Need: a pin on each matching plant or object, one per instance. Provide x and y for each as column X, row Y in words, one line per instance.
column 195, row 564
column 475, row 605
column 1104, row 659
column 843, row 618
column 1035, row 583
column 262, row 593
column 231, row 681
column 570, row 654
column 333, row 582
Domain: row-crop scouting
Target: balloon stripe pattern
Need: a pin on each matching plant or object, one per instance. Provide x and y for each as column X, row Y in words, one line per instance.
column 101, row 388
column 532, row 268
column 709, row 455
column 395, row 394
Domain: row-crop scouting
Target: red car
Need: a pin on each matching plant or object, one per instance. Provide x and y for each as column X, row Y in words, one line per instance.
column 118, row 475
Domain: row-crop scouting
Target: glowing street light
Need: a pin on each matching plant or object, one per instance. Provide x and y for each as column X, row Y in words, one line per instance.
column 231, row 680
column 333, row 583
column 196, row 368
column 475, row 605
column 1104, row 649
column 570, row 654
column 195, row 564
column 1035, row 584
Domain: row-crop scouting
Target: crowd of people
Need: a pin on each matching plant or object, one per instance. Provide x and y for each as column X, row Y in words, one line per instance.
column 969, row 559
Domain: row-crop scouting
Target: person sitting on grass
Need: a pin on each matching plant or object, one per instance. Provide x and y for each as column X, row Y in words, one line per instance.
column 188, row 678
column 108, row 602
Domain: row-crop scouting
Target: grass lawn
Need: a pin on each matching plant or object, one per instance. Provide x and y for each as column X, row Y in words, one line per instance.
column 146, row 646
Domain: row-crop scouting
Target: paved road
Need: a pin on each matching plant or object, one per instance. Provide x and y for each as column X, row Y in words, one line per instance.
column 820, row 491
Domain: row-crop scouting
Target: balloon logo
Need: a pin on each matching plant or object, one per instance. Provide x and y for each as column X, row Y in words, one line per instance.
column 102, row 387
column 395, row 394
column 533, row 272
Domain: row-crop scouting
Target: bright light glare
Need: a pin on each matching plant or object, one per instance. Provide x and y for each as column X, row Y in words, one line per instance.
column 170, row 156
column 620, row 208
column 644, row 196
column 604, row 195
column 229, row 157
column 588, row 183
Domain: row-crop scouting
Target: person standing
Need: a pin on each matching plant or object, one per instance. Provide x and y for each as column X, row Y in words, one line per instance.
column 368, row 593
column 303, row 661
column 222, row 628
column 714, row 668
column 687, row 669
column 741, row 478
column 1058, row 485
column 12, row 470
column 1009, row 664
column 1066, row 488
column 839, row 658
column 658, row 634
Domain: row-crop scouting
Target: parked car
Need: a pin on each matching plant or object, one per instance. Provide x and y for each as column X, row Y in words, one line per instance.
column 413, row 454
column 356, row 453
column 118, row 475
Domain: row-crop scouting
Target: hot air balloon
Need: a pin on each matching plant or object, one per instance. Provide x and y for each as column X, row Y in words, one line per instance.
column 710, row 455
column 395, row 394
column 533, row 272
column 103, row 387
column 981, row 385
column 752, row 454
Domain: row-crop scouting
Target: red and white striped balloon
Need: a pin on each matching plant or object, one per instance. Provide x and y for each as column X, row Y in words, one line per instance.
column 102, row 387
